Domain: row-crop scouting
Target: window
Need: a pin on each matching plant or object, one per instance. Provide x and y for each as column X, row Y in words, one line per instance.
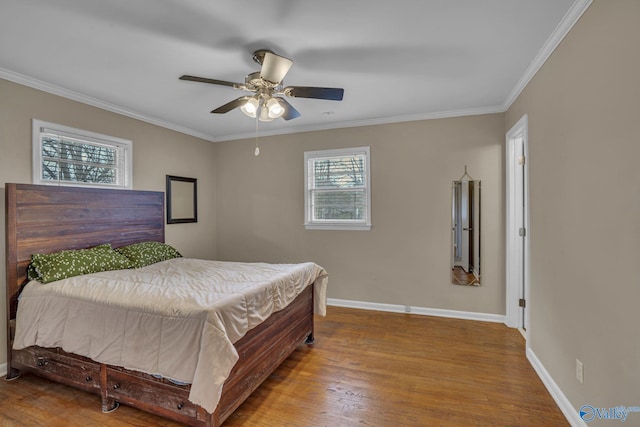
column 337, row 189
column 68, row 156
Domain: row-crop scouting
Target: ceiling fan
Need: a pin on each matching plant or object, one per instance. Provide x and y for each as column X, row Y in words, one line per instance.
column 266, row 84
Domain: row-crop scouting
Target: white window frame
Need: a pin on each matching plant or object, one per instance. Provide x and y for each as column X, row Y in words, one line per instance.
column 316, row 224
column 40, row 127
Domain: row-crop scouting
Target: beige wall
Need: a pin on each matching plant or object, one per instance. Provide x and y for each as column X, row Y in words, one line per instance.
column 405, row 257
column 156, row 152
column 584, row 109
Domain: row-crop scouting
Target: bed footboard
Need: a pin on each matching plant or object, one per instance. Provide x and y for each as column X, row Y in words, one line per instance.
column 260, row 352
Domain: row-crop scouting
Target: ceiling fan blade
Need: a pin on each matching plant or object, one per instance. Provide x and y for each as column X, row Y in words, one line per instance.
column 274, row 67
column 289, row 111
column 330, row 93
column 212, row 81
column 238, row 102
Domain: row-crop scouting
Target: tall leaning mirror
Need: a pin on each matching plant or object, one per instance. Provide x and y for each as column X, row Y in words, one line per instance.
column 465, row 231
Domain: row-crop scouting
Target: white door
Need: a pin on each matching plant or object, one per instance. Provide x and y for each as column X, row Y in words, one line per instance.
column 517, row 232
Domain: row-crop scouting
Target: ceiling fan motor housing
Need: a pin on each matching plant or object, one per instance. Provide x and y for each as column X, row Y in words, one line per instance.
column 258, row 55
column 256, row 83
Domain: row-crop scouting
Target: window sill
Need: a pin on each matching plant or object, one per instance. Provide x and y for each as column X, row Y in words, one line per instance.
column 336, row 226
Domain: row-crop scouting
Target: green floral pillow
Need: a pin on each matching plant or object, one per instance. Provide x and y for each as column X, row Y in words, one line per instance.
column 146, row 253
column 32, row 274
column 59, row 265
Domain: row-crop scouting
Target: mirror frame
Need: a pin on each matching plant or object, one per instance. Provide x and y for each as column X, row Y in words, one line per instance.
column 185, row 200
column 474, row 275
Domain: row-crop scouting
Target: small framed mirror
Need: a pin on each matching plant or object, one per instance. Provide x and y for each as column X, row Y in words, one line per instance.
column 465, row 231
column 182, row 199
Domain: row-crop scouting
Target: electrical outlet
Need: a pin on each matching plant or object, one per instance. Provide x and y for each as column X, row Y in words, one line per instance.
column 407, row 309
column 580, row 371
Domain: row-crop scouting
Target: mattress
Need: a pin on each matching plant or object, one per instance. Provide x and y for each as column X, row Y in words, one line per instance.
column 177, row 318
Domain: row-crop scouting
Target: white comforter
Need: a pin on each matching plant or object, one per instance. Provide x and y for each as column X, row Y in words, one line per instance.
column 177, row 318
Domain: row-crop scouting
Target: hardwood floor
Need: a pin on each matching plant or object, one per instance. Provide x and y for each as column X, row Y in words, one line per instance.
column 366, row 368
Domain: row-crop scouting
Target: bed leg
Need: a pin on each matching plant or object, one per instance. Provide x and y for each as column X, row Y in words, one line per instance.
column 108, row 404
column 310, row 339
column 12, row 374
column 210, row 420
column 215, row 417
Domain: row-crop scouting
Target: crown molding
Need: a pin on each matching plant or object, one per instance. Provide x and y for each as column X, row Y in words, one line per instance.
column 566, row 24
column 76, row 96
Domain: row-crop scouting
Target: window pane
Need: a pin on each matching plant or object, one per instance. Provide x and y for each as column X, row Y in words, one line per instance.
column 49, row 147
column 337, row 189
column 339, row 205
column 49, row 170
column 87, row 153
column 339, row 172
column 71, row 160
column 69, row 156
column 78, row 172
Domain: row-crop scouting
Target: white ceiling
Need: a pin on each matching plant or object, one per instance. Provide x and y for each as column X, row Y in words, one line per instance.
column 396, row 60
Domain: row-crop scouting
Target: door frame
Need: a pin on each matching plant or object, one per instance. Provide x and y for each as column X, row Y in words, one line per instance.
column 517, row 254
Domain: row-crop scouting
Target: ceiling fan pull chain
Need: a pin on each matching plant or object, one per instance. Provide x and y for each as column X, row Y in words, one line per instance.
column 257, row 150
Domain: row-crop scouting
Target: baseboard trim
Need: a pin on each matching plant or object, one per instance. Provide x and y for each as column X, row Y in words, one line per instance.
column 394, row 308
column 561, row 400
column 3, row 369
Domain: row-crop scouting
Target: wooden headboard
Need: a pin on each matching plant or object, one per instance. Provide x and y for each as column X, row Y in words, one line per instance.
column 45, row 219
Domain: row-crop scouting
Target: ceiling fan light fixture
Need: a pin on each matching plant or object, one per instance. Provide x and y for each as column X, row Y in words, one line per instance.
column 264, row 114
column 276, row 109
column 250, row 108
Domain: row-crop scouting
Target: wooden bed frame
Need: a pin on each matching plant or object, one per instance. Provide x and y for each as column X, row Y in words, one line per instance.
column 44, row 219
